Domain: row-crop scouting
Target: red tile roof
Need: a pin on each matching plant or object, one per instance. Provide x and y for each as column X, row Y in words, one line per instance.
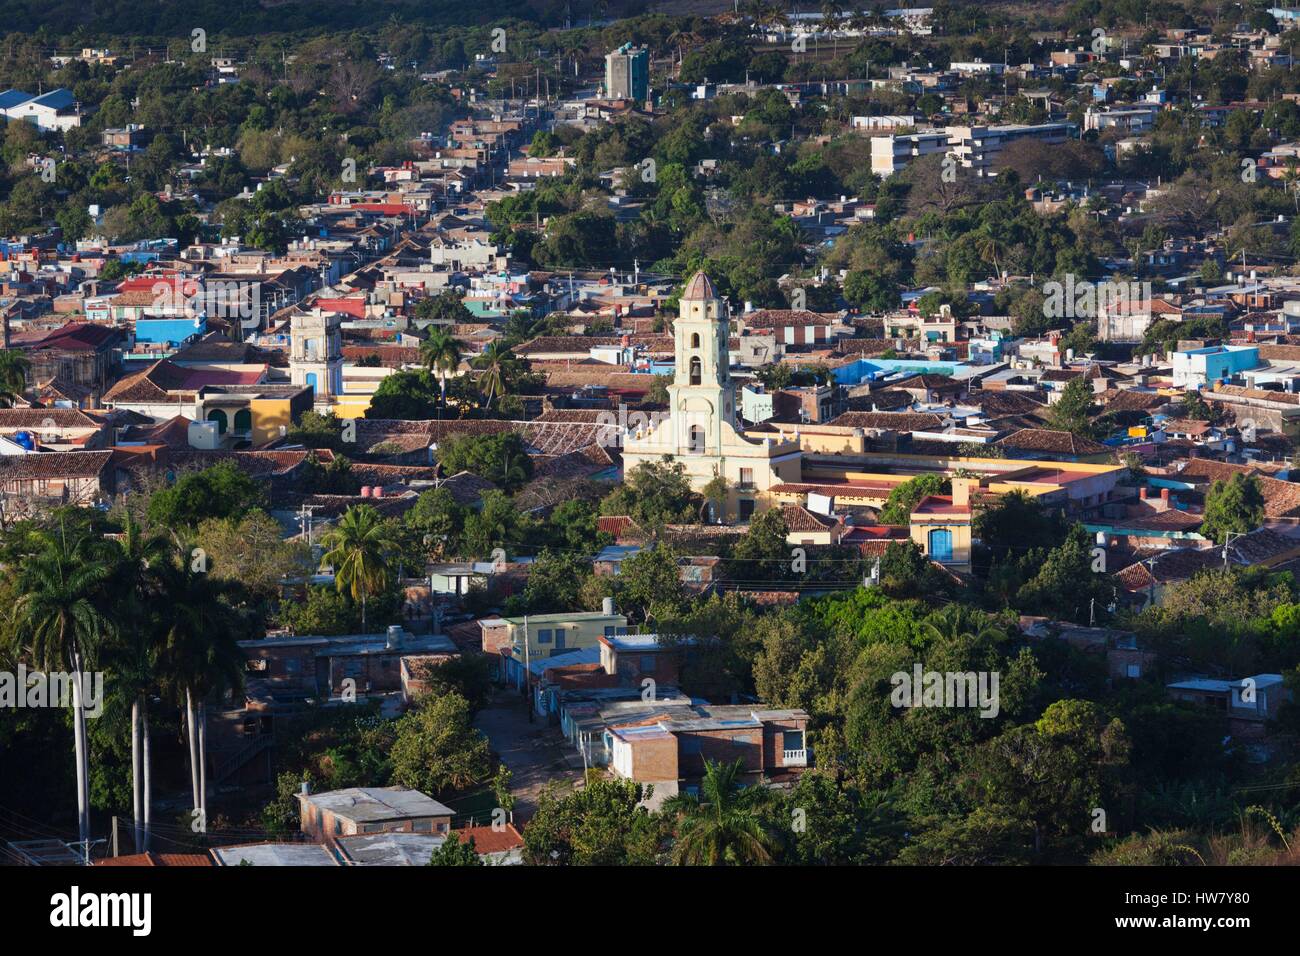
column 157, row 859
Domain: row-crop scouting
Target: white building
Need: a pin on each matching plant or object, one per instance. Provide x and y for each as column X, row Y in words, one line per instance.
column 1137, row 120
column 55, row 110
column 889, row 154
column 976, row 147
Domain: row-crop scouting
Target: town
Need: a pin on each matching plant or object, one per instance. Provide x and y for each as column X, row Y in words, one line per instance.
column 608, row 437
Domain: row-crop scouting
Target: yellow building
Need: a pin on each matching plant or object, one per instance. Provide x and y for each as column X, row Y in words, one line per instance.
column 941, row 525
column 701, row 430
column 519, row 641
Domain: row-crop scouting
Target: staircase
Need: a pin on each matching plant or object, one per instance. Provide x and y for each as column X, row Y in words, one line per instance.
column 231, row 763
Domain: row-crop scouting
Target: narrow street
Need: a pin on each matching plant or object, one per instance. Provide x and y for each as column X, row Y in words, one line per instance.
column 535, row 754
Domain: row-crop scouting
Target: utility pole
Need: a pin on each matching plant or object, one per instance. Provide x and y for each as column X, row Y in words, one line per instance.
column 528, row 691
column 1227, row 540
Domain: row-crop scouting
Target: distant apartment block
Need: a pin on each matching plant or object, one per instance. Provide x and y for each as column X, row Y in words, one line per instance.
column 1138, row 120
column 627, row 73
column 889, row 154
column 977, row 147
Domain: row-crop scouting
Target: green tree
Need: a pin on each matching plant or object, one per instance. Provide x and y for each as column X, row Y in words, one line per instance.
column 60, row 621
column 1072, row 411
column 201, row 656
column 440, row 353
column 906, row 496
column 358, row 550
column 649, row 582
column 499, row 371
column 722, row 826
column 14, row 366
column 1235, row 506
column 454, row 851
column 764, row 553
column 133, row 654
column 602, row 824
column 406, row 396
column 221, row 491
column 437, row 749
column 555, row 582
column 654, row 493
column 502, row 458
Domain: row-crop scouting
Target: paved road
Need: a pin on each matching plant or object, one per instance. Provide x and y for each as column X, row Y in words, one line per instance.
column 535, row 754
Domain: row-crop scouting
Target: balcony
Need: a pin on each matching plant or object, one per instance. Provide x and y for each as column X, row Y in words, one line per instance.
column 794, row 758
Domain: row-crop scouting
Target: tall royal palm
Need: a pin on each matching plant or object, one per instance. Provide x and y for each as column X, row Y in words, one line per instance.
column 13, row 376
column 201, row 657
column 59, row 624
column 441, row 355
column 498, row 367
column 721, row 826
column 358, row 548
column 139, row 587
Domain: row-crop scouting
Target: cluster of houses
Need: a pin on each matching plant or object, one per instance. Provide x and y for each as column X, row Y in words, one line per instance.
column 214, row 352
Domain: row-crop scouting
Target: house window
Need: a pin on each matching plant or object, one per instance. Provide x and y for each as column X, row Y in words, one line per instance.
column 746, row 506
column 1133, row 670
column 695, row 340
column 792, row 740
column 421, row 826
column 696, row 439
column 544, row 637
column 747, row 477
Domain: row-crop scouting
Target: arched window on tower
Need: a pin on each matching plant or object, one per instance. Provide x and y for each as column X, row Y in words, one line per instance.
column 696, row 374
column 696, row 440
column 695, row 340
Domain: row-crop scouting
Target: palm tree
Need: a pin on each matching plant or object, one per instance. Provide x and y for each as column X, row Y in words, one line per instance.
column 498, row 368
column 201, row 656
column 1291, row 179
column 959, row 623
column 138, row 563
column 59, row 621
column 990, row 248
column 721, row 827
column 357, row 548
column 14, row 366
column 441, row 355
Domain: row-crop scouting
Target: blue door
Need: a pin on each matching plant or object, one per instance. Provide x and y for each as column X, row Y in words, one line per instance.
column 940, row 545
column 311, row 380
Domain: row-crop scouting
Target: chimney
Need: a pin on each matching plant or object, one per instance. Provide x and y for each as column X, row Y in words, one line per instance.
column 607, row 606
column 1144, row 492
column 306, row 787
column 394, row 638
column 1164, row 496
column 961, row 488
